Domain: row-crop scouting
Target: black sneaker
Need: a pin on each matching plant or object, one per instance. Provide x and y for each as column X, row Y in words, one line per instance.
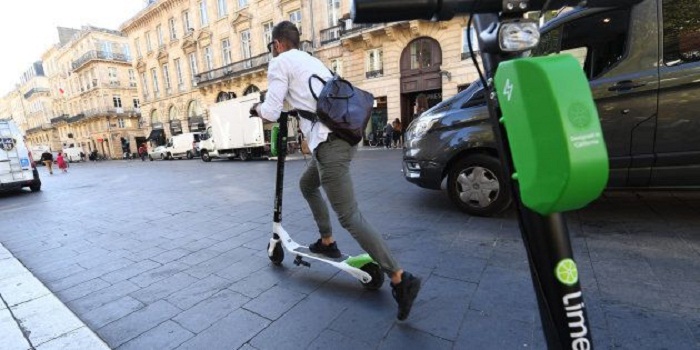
column 330, row 250
column 405, row 293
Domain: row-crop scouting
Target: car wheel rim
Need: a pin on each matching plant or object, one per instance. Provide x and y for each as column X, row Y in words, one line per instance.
column 478, row 187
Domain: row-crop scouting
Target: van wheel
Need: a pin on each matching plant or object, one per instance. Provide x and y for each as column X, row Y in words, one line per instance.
column 189, row 155
column 169, row 157
column 205, row 156
column 35, row 187
column 477, row 186
column 150, row 158
column 162, row 156
column 244, row 155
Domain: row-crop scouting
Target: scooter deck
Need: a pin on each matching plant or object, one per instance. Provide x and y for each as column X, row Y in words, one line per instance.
column 306, row 251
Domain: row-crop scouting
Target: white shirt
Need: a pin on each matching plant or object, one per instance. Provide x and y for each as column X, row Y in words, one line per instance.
column 288, row 85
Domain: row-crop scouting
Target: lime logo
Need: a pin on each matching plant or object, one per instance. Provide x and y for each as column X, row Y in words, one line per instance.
column 566, row 272
column 579, row 115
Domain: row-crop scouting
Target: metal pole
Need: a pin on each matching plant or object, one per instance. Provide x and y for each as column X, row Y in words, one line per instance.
column 546, row 238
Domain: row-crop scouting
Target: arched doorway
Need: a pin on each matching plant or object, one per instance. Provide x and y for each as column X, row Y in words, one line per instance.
column 195, row 116
column 421, row 82
column 174, row 121
column 225, row 96
column 157, row 135
column 250, row 89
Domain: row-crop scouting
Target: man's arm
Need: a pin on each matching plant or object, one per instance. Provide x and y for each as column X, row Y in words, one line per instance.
column 278, row 84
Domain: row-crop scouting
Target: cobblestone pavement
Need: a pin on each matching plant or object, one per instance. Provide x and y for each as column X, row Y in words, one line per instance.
column 171, row 255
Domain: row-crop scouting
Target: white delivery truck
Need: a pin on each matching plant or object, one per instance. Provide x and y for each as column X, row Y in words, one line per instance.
column 183, row 145
column 17, row 169
column 72, row 154
column 231, row 132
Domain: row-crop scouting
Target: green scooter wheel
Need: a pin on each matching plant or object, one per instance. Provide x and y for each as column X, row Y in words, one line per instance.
column 277, row 254
column 377, row 275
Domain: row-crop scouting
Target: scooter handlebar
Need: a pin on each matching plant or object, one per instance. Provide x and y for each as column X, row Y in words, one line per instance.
column 380, row 11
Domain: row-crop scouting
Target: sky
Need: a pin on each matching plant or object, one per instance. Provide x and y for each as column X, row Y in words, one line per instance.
column 28, row 28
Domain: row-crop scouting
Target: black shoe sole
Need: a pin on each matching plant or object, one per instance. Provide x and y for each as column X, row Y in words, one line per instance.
column 413, row 290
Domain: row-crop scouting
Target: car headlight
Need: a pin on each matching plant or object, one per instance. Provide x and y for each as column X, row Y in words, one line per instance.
column 420, row 127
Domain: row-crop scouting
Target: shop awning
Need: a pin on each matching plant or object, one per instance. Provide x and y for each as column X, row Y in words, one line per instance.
column 155, row 134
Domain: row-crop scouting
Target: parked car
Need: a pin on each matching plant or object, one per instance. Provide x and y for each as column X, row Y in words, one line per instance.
column 17, row 167
column 159, row 152
column 646, row 87
column 183, row 145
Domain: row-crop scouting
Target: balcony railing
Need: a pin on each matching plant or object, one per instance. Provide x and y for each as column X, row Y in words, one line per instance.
column 374, row 73
column 99, row 55
column 35, row 90
column 331, row 34
column 356, row 28
column 233, row 69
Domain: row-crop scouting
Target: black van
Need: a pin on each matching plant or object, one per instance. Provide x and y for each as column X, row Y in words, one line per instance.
column 643, row 65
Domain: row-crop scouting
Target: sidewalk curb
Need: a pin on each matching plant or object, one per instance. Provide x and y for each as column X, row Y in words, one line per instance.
column 31, row 317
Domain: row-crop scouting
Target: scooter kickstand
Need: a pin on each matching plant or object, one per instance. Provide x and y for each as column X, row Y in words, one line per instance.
column 300, row 261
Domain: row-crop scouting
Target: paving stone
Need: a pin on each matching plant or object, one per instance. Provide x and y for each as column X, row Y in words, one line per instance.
column 82, row 290
column 495, row 293
column 219, row 263
column 202, row 289
column 88, row 274
column 230, row 332
column 171, row 255
column 405, row 337
column 149, row 277
column 635, row 328
column 199, row 256
column 22, row 288
column 46, row 318
column 102, row 297
column 337, row 341
column 111, row 311
column 207, row 312
column 260, row 281
column 274, row 302
column 164, row 288
column 81, row 338
column 130, row 271
column 136, row 323
column 12, row 337
column 167, row 335
column 369, row 319
column 476, row 332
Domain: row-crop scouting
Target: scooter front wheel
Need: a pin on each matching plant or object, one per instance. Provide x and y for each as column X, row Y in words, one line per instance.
column 377, row 275
column 277, row 254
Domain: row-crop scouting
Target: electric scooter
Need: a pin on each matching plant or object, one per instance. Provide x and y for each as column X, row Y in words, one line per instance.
column 362, row 267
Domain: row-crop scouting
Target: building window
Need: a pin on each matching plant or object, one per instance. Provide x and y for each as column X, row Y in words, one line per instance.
column 117, row 101
column 120, row 123
column 159, row 32
column 222, row 8
column 421, row 54
column 132, row 78
column 333, row 12
column 203, row 18
column 471, row 34
column 178, row 74
column 245, row 44
column 681, row 32
column 242, row 3
column 209, row 63
column 126, row 51
column 149, row 46
column 226, row 51
column 173, row 28
column 113, row 79
column 156, row 89
column 186, row 24
column 137, row 103
column 193, row 67
column 137, row 45
column 144, row 87
column 337, row 66
column 295, row 17
column 374, row 66
column 166, row 77
column 267, row 33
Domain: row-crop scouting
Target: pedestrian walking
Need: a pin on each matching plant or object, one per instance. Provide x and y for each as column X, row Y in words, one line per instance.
column 288, row 84
column 47, row 159
column 62, row 164
column 388, row 135
column 143, row 152
column 396, row 135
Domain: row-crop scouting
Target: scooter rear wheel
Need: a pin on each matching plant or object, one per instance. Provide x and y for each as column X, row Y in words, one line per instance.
column 377, row 275
column 277, row 254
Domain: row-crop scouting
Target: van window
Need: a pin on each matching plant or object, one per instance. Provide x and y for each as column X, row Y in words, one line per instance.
column 681, row 31
column 598, row 41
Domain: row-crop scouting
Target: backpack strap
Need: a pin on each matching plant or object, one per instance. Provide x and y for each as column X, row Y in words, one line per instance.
column 310, row 116
column 315, row 76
